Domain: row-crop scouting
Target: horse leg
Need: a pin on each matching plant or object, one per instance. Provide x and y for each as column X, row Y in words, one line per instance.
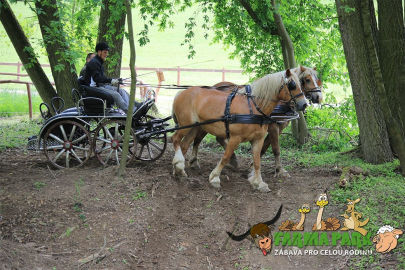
column 178, row 159
column 274, row 134
column 194, row 154
column 255, row 179
column 233, row 162
column 266, row 144
column 230, row 147
column 187, row 139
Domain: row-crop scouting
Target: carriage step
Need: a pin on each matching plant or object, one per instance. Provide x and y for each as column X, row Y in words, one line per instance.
column 32, row 144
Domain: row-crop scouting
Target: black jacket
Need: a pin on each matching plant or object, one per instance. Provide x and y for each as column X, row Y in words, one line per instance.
column 95, row 70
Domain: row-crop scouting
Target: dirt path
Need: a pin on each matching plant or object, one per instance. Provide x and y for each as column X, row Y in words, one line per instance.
column 149, row 220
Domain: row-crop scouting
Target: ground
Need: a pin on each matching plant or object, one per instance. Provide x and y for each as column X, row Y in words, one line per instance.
column 62, row 219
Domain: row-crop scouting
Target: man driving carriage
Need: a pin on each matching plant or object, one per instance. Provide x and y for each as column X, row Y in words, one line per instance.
column 94, row 77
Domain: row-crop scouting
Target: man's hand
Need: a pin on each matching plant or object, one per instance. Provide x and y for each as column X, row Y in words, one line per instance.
column 115, row 82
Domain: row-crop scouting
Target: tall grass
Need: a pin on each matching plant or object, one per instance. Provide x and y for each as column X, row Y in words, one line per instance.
column 16, row 102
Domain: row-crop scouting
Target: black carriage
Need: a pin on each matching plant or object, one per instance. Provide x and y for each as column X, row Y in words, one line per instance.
column 95, row 128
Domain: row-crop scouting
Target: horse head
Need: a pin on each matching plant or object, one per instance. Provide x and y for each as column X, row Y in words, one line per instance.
column 290, row 91
column 310, row 83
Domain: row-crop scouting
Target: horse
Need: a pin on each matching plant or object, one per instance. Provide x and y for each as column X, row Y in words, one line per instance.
column 311, row 86
column 198, row 104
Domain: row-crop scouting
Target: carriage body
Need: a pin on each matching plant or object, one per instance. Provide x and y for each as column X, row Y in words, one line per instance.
column 94, row 128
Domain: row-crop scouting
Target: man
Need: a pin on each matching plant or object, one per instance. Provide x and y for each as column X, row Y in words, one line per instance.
column 94, row 76
column 88, row 58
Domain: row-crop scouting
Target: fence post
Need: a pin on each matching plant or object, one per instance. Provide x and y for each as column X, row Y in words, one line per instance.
column 223, row 74
column 18, row 70
column 178, row 75
column 29, row 100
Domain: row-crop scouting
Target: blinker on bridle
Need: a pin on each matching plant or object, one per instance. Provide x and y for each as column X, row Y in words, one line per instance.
column 291, row 85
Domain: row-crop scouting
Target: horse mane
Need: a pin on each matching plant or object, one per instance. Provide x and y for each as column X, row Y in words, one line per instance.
column 266, row 88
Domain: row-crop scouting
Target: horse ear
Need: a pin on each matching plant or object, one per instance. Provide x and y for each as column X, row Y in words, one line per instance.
column 302, row 68
column 288, row 72
column 314, row 68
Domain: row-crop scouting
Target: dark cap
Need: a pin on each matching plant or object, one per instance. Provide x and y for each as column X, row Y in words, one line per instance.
column 102, row 46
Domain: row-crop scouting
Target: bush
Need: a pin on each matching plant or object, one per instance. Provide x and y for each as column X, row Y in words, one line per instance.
column 332, row 127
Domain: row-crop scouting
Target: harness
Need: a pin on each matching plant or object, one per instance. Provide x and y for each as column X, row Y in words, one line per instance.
column 262, row 118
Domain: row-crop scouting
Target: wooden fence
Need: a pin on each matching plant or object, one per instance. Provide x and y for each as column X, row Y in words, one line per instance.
column 178, row 69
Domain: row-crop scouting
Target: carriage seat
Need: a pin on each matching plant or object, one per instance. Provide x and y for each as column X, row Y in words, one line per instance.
column 91, row 99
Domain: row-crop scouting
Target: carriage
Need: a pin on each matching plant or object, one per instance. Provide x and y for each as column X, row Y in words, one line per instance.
column 94, row 127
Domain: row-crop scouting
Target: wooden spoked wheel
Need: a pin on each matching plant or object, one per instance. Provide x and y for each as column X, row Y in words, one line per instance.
column 67, row 144
column 152, row 147
column 109, row 140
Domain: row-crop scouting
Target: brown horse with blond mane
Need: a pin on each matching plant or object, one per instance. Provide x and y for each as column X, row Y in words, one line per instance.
column 197, row 104
column 311, row 86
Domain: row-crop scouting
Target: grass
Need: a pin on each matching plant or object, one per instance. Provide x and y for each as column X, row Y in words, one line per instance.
column 139, row 195
column 16, row 103
column 38, row 185
column 14, row 131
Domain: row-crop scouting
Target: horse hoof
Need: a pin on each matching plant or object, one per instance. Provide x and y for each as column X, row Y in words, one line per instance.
column 251, row 174
column 178, row 171
column 263, row 187
column 283, row 173
column 215, row 182
column 234, row 163
column 194, row 164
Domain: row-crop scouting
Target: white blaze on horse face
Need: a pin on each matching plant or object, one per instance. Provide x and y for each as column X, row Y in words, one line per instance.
column 314, row 80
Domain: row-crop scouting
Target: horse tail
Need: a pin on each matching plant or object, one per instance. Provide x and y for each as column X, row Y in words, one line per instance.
column 173, row 114
column 276, row 217
column 238, row 237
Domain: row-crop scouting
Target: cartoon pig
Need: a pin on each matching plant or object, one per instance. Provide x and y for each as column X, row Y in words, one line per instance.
column 386, row 239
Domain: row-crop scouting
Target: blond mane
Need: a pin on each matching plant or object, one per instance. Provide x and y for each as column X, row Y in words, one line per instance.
column 266, row 88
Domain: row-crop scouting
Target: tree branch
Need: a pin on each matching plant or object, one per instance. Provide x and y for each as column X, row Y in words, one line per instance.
column 266, row 28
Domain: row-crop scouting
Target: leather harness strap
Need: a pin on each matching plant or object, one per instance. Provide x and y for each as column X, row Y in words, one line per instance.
column 227, row 115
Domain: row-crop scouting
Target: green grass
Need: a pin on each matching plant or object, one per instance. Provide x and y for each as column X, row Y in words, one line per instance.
column 16, row 102
column 14, row 131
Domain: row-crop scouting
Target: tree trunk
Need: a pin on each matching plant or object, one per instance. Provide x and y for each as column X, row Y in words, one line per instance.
column 391, row 44
column 26, row 52
column 128, row 124
column 62, row 67
column 299, row 127
column 393, row 122
column 373, row 130
column 111, row 30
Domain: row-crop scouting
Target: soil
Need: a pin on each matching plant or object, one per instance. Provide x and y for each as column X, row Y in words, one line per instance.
column 86, row 218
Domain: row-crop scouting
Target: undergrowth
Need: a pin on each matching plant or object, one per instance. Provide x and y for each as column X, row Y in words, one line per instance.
column 14, row 131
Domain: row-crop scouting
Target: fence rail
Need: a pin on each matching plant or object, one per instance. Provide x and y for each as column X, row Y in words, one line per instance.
column 177, row 69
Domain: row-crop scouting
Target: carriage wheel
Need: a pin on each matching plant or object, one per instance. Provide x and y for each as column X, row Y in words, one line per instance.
column 109, row 140
column 67, row 144
column 150, row 148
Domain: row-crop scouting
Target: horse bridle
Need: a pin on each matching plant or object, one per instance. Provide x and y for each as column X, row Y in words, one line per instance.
column 291, row 85
column 316, row 89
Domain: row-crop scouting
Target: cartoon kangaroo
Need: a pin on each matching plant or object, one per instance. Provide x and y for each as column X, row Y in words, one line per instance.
column 352, row 222
column 260, row 234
